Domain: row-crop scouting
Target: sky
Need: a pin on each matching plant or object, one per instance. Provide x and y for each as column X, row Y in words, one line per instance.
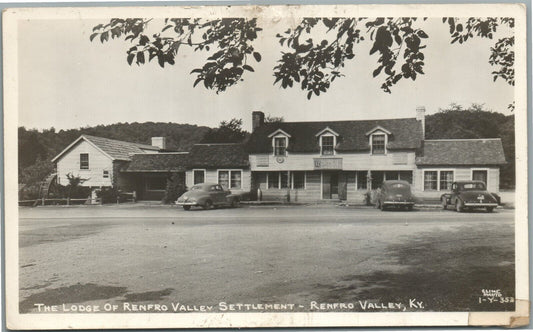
column 66, row 81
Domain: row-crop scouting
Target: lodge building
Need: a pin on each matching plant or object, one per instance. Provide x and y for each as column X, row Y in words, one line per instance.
column 296, row 161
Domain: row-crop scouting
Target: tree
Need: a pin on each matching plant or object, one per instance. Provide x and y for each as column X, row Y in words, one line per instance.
column 227, row 132
column 313, row 64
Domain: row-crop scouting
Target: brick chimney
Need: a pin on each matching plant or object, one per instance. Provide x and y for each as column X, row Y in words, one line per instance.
column 258, row 119
column 421, row 116
column 160, row 142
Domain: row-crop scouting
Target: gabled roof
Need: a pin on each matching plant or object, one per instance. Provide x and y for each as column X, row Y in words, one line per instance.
column 158, row 162
column 114, row 149
column 487, row 151
column 223, row 155
column 325, row 130
column 279, row 131
column 378, row 128
column 405, row 134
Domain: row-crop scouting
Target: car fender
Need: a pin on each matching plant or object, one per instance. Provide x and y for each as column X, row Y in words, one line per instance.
column 448, row 198
column 233, row 197
column 497, row 198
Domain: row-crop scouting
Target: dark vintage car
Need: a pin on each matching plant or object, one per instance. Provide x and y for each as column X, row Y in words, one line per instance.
column 395, row 194
column 207, row 196
column 468, row 195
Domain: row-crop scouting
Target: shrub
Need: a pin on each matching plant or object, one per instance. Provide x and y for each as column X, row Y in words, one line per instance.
column 109, row 195
column 174, row 189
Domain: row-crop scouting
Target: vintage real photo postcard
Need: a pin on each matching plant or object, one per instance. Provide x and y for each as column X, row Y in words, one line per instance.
column 266, row 166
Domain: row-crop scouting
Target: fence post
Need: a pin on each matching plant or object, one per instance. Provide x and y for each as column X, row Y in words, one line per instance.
column 68, row 200
column 134, row 196
column 42, row 201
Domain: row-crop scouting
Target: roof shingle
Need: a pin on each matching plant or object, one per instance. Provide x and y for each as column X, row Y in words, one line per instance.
column 119, row 150
column 218, row 155
column 158, row 162
column 405, row 134
column 487, row 151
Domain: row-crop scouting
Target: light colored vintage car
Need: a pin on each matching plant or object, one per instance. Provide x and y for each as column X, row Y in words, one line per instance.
column 468, row 195
column 395, row 194
column 207, row 196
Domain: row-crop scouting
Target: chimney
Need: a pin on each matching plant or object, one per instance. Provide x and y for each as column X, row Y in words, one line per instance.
column 421, row 116
column 160, row 142
column 258, row 119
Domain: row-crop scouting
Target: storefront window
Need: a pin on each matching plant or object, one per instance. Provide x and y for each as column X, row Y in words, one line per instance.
column 298, row 179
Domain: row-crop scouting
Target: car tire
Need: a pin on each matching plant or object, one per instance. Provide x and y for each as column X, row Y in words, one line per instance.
column 186, row 207
column 444, row 203
column 459, row 206
column 489, row 209
column 208, row 205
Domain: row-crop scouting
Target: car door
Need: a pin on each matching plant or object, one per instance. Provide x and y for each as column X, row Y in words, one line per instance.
column 219, row 196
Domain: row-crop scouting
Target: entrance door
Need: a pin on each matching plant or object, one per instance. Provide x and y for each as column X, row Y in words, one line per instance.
column 330, row 185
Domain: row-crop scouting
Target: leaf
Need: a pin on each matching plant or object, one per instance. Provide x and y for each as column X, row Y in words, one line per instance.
column 309, row 94
column 257, row 56
column 377, row 71
column 161, row 61
column 131, row 56
column 167, row 27
column 92, row 36
column 140, row 58
column 198, row 80
column 246, row 67
column 422, row 34
column 104, row 36
column 99, row 26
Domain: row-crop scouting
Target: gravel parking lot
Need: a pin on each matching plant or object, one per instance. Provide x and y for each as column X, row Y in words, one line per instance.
column 302, row 255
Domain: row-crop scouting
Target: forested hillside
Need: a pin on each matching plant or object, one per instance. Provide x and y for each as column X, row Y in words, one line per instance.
column 37, row 148
column 475, row 122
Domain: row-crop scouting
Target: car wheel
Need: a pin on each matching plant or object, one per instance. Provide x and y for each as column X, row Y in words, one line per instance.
column 459, row 206
column 186, row 207
column 444, row 203
column 489, row 209
column 208, row 205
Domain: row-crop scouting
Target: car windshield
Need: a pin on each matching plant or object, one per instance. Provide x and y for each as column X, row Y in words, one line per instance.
column 471, row 186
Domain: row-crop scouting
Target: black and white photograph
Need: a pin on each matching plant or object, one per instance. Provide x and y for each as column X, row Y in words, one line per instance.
column 266, row 166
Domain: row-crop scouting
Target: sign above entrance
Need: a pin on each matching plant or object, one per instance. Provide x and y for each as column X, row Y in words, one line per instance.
column 328, row 163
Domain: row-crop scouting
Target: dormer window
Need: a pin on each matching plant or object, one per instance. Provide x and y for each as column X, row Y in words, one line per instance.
column 327, row 145
column 280, row 146
column 377, row 139
column 378, row 144
column 280, row 141
column 327, row 138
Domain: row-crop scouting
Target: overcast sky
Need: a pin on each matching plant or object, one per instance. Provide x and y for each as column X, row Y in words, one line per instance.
column 66, row 81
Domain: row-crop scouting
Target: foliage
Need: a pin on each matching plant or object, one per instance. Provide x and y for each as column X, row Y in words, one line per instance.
column 109, row 195
column 74, row 189
column 228, row 40
column 313, row 64
column 455, row 121
column 227, row 132
column 174, row 189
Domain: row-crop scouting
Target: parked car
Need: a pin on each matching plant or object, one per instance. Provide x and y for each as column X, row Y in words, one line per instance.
column 395, row 193
column 470, row 195
column 207, row 196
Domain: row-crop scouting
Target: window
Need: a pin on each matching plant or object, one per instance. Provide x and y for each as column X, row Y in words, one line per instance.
column 223, row 178
column 105, row 174
column 273, row 180
column 156, row 183
column 198, row 176
column 236, row 179
column 446, row 180
column 280, row 146
column 430, row 180
column 438, row 180
column 480, row 175
column 327, row 145
column 298, row 180
column 361, row 179
column 84, row 161
column 378, row 144
column 278, row 180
